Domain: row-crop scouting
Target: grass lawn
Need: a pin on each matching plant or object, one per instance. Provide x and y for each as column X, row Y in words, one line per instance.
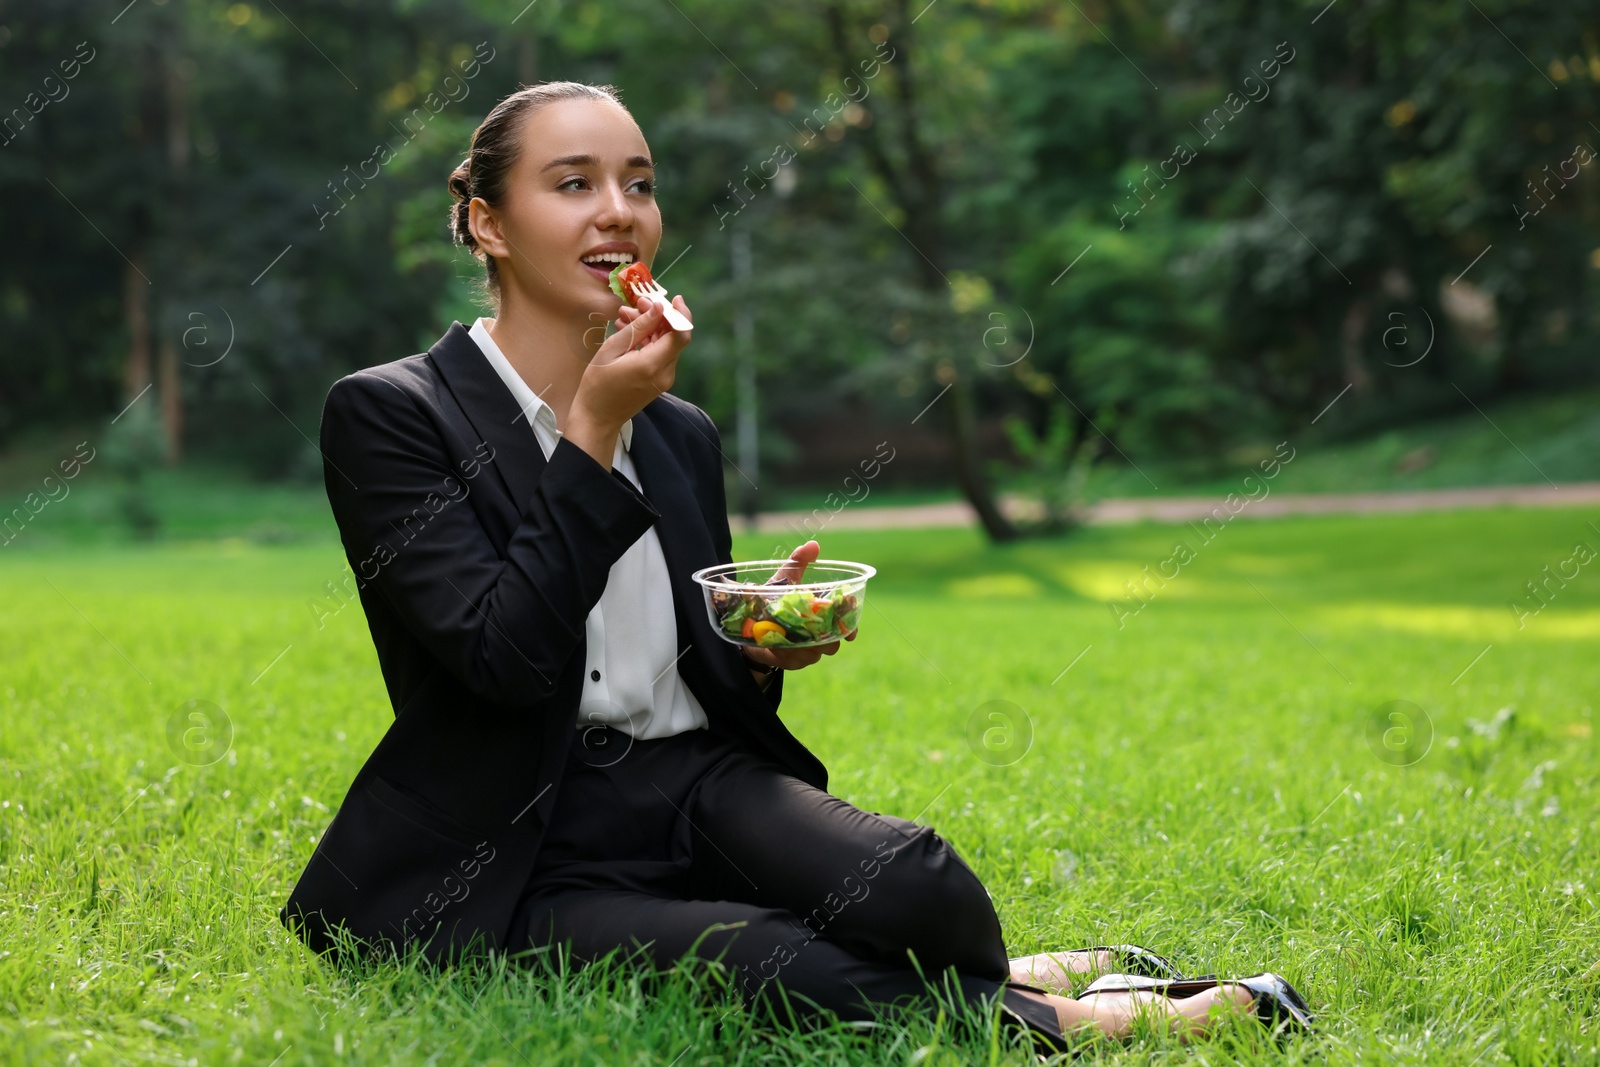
column 1206, row 780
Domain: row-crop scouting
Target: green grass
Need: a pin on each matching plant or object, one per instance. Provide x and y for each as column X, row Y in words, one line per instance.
column 1200, row 781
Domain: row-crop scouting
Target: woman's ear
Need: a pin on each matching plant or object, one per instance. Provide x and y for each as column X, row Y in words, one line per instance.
column 485, row 226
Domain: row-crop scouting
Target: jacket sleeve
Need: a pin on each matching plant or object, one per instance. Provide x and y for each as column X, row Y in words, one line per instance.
column 722, row 537
column 503, row 626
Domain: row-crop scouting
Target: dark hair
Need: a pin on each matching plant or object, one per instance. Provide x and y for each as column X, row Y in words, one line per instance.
column 493, row 152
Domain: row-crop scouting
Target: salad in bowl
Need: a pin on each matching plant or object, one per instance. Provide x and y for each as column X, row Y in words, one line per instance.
column 749, row 604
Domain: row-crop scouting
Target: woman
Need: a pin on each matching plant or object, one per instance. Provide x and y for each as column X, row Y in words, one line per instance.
column 576, row 758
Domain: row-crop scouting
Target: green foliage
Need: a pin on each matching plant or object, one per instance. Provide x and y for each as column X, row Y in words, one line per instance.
column 134, row 448
column 1057, row 465
column 1220, row 295
column 1358, row 181
column 275, row 110
column 1556, row 437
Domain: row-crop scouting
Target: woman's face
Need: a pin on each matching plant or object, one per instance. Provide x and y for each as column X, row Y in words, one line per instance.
column 582, row 188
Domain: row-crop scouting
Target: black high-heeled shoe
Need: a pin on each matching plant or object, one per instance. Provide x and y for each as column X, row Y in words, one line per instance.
column 1275, row 1002
column 1134, row 959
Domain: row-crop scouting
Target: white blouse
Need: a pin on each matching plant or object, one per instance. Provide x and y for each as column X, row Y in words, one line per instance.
column 631, row 679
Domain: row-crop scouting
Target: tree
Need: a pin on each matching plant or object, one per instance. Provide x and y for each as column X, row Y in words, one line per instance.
column 1304, row 179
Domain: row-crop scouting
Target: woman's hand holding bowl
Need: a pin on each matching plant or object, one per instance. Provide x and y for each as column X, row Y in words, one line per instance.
column 792, row 659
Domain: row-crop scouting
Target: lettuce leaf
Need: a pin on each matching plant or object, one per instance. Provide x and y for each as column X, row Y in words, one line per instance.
column 733, row 621
column 791, row 610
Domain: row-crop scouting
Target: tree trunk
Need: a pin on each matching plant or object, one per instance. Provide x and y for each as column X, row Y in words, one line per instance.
column 1352, row 332
column 137, row 287
column 171, row 390
column 177, row 107
column 917, row 189
column 969, row 473
column 136, row 314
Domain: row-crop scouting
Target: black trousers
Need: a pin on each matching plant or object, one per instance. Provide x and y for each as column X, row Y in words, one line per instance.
column 692, row 846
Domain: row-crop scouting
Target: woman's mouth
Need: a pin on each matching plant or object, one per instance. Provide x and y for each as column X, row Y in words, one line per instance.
column 601, row 266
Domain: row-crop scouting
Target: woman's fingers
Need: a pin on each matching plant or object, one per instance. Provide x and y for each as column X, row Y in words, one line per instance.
column 646, row 324
column 634, row 331
column 651, row 348
column 793, row 659
column 652, row 325
column 633, row 366
column 645, row 321
column 795, row 569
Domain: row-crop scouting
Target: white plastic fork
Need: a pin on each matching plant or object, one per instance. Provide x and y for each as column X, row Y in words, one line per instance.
column 654, row 291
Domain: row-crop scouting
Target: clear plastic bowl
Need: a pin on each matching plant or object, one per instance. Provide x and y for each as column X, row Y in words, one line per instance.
column 824, row 606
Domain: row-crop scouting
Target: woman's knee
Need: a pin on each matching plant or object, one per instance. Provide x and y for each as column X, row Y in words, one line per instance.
column 937, row 908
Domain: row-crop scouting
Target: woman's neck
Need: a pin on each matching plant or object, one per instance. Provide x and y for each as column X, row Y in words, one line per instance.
column 547, row 352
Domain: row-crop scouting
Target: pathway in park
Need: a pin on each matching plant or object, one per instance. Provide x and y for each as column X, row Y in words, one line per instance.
column 1184, row 509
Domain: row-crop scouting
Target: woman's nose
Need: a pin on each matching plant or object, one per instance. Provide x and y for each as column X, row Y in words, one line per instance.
column 615, row 211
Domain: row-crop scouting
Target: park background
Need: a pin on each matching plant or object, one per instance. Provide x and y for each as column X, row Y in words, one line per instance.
column 981, row 288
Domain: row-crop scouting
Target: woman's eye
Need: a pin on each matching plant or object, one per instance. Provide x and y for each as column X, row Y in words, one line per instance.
column 643, row 185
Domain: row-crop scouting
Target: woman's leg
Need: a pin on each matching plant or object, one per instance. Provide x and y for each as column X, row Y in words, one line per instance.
column 624, row 865
column 605, row 883
column 765, row 950
column 1114, row 1013
column 880, row 886
column 1053, row 970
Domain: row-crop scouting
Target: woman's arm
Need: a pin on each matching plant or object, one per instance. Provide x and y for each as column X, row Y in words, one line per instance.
column 504, row 627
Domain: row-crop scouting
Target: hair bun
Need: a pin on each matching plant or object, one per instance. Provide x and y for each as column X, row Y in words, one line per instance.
column 460, row 184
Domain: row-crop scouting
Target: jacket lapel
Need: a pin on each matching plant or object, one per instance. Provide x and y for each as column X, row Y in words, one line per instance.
column 493, row 412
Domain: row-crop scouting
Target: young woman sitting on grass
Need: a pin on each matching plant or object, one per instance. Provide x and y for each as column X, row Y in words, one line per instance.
column 577, row 759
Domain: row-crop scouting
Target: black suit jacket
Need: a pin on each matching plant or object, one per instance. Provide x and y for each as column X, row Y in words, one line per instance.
column 478, row 561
